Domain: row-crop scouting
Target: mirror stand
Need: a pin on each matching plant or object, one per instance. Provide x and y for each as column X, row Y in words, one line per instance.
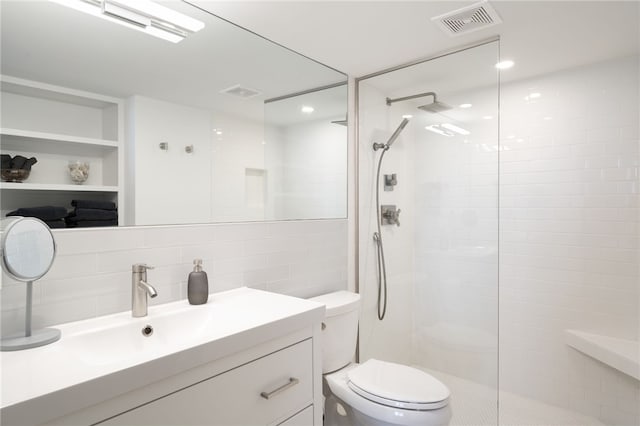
column 30, row 339
column 27, row 249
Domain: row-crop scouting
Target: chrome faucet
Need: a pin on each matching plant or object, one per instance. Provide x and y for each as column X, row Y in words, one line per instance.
column 140, row 288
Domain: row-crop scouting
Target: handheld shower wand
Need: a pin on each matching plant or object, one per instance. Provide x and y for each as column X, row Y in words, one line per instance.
column 377, row 236
column 392, row 139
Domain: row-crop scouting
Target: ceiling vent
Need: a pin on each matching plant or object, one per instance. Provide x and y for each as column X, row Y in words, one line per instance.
column 477, row 16
column 240, row 91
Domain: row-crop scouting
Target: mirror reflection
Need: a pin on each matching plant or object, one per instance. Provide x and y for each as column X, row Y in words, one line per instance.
column 160, row 119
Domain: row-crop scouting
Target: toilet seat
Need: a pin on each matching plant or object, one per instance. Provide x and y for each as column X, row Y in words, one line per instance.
column 338, row 383
column 397, row 386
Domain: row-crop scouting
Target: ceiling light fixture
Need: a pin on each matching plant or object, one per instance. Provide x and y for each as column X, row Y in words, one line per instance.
column 435, row 128
column 407, row 116
column 503, row 65
column 456, row 129
column 534, row 95
column 465, row 105
column 307, row 109
column 142, row 15
column 487, row 117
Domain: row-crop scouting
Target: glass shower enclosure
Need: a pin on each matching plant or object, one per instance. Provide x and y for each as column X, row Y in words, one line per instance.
column 440, row 181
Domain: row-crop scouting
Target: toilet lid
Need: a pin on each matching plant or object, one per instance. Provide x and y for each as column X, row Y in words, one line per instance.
column 398, row 385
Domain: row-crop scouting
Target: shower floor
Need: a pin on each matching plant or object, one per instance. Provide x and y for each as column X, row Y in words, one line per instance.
column 475, row 404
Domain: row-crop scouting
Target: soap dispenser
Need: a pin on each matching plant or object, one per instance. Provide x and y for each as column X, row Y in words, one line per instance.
column 197, row 285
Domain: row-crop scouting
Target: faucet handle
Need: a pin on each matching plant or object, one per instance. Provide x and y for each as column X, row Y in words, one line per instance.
column 141, row 267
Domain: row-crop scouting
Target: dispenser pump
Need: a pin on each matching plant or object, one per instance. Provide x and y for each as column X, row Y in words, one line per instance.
column 197, row 265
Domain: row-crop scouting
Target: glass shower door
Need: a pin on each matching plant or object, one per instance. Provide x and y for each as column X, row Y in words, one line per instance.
column 442, row 262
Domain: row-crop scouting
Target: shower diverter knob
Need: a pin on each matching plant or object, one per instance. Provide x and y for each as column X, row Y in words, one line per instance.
column 390, row 215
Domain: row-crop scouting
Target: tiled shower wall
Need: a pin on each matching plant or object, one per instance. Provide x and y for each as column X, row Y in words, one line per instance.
column 569, row 198
column 91, row 275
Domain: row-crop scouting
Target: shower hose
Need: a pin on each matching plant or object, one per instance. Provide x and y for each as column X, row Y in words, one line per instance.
column 377, row 238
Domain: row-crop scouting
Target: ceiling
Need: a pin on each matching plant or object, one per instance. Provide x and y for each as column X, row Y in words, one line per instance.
column 361, row 37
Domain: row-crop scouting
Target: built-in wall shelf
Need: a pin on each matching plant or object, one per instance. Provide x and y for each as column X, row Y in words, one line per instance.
column 621, row 354
column 58, row 125
column 56, row 187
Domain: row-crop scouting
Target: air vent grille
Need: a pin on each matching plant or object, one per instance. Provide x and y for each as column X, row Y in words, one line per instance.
column 476, row 17
column 241, row 91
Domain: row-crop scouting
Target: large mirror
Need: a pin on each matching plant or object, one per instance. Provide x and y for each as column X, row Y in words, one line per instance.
column 137, row 116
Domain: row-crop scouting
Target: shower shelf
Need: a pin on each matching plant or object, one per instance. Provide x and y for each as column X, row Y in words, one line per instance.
column 621, row 354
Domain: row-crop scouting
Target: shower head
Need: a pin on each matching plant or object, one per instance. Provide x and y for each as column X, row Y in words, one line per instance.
column 392, row 139
column 435, row 107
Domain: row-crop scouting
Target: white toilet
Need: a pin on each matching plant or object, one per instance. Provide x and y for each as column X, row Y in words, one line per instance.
column 374, row 393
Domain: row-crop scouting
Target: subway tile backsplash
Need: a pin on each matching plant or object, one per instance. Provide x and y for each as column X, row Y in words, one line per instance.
column 91, row 275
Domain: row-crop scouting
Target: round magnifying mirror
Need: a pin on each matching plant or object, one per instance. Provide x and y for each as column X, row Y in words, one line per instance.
column 28, row 250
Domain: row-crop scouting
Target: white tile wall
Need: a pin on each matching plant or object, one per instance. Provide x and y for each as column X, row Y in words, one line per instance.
column 569, row 239
column 569, row 235
column 91, row 275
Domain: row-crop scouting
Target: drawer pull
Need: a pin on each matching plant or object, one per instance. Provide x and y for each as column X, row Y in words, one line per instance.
column 292, row 382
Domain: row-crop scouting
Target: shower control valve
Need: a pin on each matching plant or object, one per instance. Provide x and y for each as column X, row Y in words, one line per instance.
column 390, row 181
column 390, row 215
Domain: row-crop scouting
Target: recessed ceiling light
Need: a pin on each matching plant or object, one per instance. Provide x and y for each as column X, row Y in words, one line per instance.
column 218, row 132
column 534, row 95
column 407, row 116
column 487, row 117
column 503, row 65
column 456, row 129
column 465, row 105
column 142, row 15
column 307, row 109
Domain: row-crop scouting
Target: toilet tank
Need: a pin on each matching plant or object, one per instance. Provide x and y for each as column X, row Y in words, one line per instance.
column 339, row 329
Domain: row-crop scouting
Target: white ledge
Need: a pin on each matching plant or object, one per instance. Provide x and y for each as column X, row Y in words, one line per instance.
column 621, row 354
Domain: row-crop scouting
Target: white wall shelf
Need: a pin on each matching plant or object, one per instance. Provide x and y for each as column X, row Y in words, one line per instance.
column 44, row 138
column 24, row 186
column 621, row 354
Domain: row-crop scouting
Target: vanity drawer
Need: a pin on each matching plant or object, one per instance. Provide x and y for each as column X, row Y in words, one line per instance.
column 265, row 391
column 303, row 418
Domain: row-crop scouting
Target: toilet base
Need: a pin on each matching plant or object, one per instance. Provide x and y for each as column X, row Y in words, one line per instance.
column 337, row 413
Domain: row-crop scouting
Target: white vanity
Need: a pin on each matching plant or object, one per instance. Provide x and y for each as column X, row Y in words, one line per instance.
column 247, row 357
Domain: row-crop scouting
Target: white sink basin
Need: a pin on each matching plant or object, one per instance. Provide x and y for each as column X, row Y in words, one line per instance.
column 123, row 338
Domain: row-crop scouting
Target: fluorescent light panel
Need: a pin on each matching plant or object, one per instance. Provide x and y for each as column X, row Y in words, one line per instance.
column 142, row 15
column 456, row 129
column 435, row 128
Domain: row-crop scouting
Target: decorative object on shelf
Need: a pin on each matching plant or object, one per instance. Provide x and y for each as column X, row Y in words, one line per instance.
column 16, row 169
column 79, row 171
column 164, row 146
column 188, row 149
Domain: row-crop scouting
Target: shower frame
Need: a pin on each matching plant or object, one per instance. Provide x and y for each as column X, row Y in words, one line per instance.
column 356, row 199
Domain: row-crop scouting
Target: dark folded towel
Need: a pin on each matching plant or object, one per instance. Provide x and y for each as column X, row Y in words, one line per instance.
column 56, row 224
column 90, row 223
column 91, row 204
column 92, row 214
column 43, row 213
